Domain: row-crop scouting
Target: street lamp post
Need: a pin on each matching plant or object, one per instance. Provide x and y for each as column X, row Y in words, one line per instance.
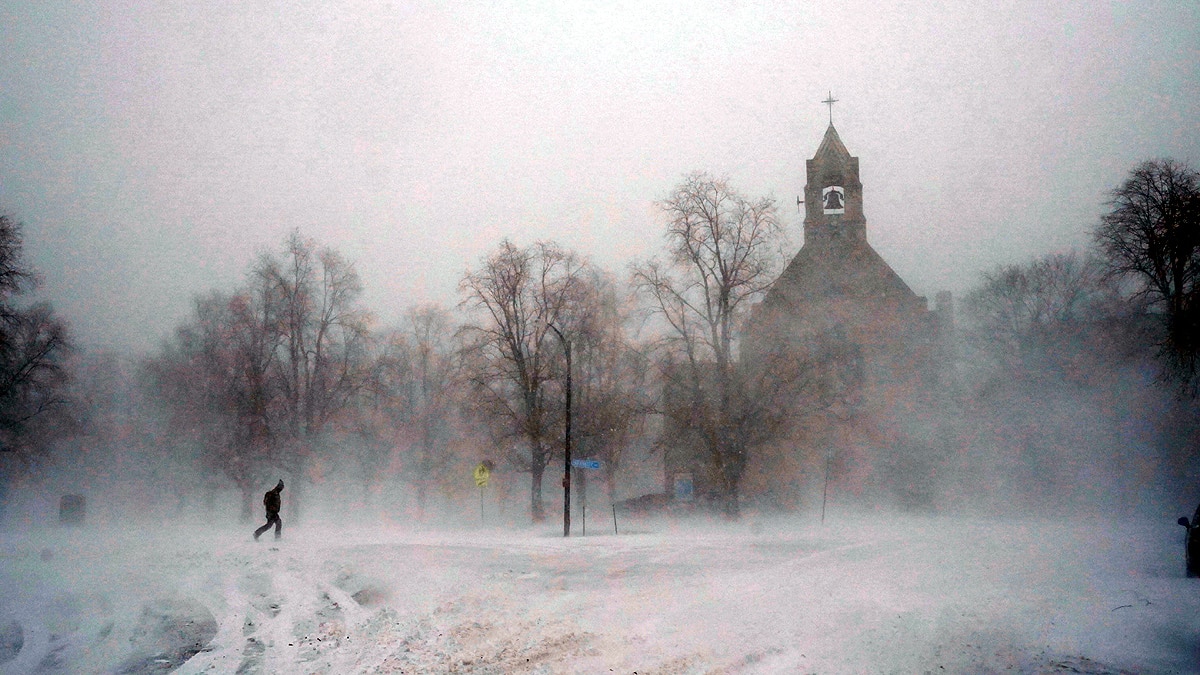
column 566, row 481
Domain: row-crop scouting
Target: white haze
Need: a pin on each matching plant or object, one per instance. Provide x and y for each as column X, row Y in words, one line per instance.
column 879, row 594
column 152, row 149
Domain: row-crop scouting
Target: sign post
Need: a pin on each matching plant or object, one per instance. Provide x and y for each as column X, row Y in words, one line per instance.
column 580, row 465
column 482, row 473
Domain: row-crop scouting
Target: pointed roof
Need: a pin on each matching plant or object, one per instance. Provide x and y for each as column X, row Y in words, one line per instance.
column 832, row 145
column 846, row 269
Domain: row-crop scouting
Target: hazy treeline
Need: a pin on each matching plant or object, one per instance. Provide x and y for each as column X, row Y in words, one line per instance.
column 36, row 407
column 1072, row 379
column 1076, row 378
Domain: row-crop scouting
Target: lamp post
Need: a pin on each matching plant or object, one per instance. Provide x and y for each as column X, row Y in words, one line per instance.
column 566, row 481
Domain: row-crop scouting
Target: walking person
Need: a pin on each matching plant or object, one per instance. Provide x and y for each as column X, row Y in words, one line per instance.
column 271, row 501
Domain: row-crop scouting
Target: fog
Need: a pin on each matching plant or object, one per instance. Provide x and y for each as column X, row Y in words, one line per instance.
column 151, row 151
column 179, row 170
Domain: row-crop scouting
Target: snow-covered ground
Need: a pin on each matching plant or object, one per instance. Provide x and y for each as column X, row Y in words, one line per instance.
column 871, row 595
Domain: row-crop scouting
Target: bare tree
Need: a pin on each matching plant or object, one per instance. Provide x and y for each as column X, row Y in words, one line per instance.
column 722, row 255
column 407, row 404
column 1028, row 319
column 380, row 415
column 322, row 345
column 254, row 379
column 516, row 295
column 611, row 380
column 432, row 399
column 212, row 381
column 34, row 346
column 1151, row 239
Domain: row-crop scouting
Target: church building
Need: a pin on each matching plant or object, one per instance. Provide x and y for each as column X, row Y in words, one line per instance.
column 873, row 344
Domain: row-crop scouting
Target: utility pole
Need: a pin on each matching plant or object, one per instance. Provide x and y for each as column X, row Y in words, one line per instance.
column 566, row 481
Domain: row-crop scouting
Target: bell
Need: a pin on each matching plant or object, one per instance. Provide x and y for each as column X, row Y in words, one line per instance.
column 833, row 200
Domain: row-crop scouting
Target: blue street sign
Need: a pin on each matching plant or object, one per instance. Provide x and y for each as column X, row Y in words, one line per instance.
column 585, row 463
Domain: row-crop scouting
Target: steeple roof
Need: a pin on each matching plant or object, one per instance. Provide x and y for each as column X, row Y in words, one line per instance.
column 832, row 145
column 845, row 269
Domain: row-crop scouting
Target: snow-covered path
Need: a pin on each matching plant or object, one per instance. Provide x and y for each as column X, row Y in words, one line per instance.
column 869, row 596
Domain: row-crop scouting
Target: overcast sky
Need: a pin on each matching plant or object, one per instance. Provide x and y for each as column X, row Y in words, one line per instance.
column 152, row 148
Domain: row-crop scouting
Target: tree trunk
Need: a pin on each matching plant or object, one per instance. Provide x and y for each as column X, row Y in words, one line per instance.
column 247, row 503
column 299, row 471
column 733, row 509
column 422, row 497
column 210, row 499
column 731, row 477
column 425, row 468
column 293, row 502
column 536, row 508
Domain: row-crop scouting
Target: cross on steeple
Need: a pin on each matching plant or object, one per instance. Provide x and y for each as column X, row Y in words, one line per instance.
column 829, row 102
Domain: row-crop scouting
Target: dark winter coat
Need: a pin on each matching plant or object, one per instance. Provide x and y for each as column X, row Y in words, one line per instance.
column 271, row 499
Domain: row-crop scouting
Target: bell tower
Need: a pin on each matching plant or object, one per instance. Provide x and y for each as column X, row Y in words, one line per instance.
column 833, row 197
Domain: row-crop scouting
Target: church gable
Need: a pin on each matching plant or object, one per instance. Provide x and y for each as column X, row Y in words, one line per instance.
column 856, row 272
